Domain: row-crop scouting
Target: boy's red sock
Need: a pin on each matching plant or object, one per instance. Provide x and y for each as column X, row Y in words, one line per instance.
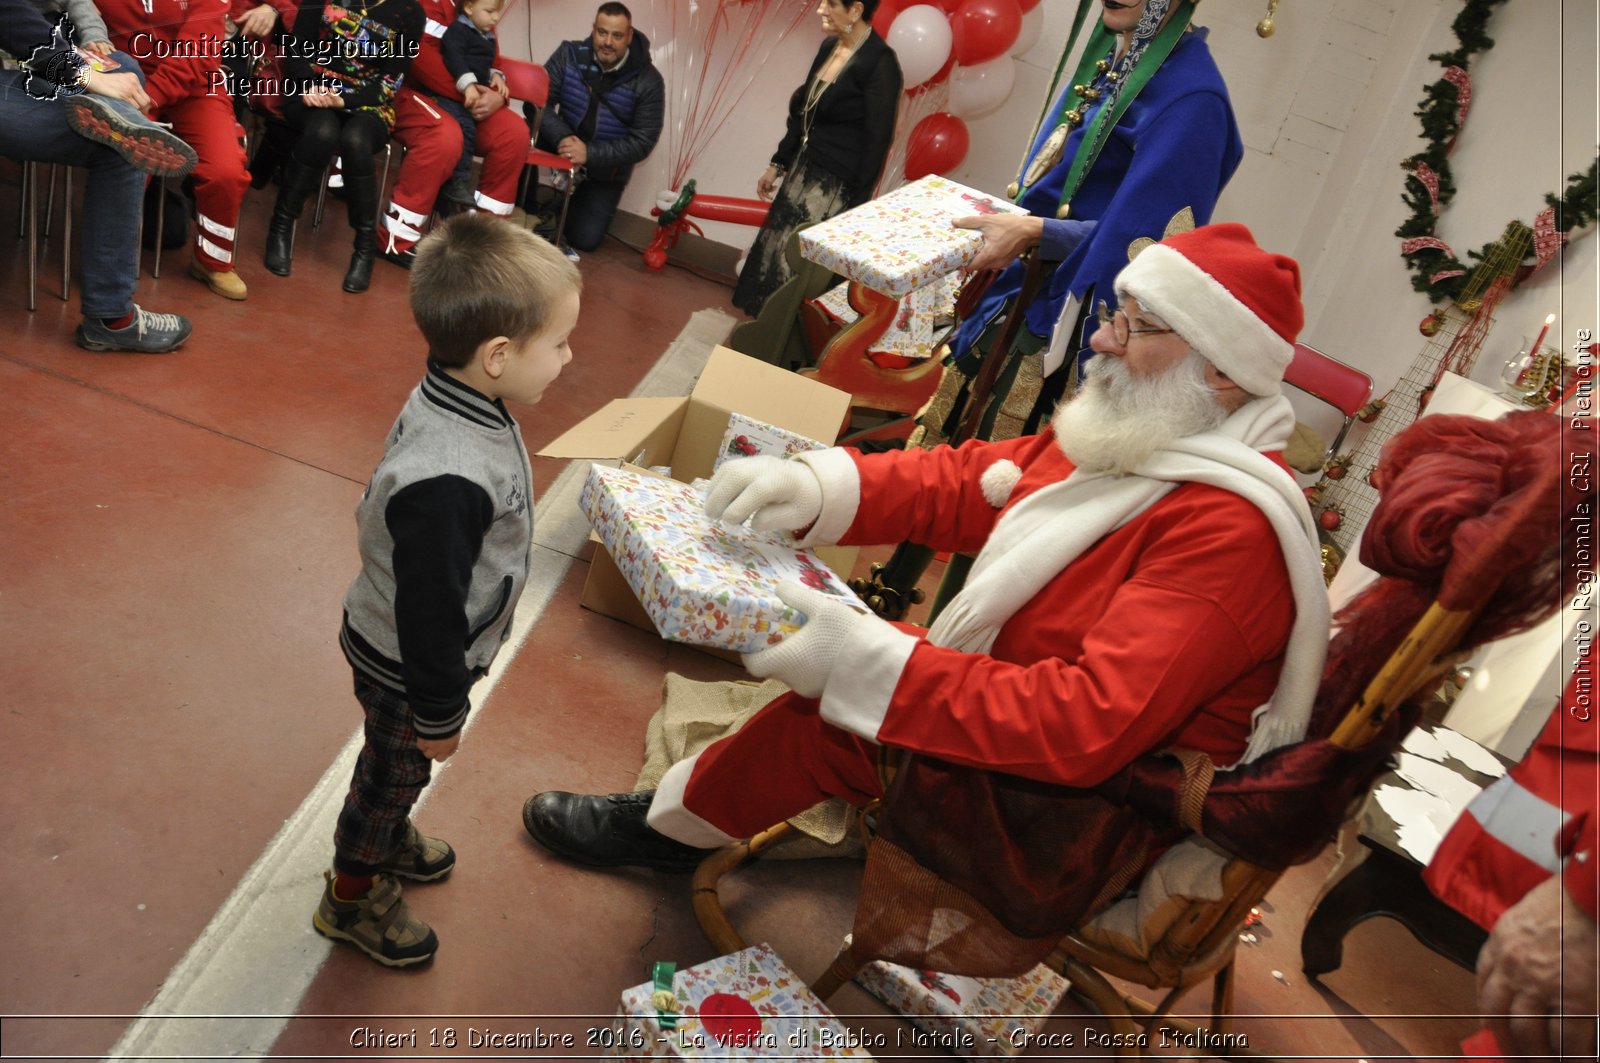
column 118, row 322
column 350, row 887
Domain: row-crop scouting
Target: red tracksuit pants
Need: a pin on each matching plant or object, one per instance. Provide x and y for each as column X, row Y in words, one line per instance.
column 220, row 178
column 433, row 145
column 785, row 759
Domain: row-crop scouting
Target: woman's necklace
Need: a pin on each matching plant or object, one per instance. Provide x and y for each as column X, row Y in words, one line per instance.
column 847, row 45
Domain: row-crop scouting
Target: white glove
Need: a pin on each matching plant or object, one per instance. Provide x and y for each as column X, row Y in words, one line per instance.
column 773, row 493
column 804, row 660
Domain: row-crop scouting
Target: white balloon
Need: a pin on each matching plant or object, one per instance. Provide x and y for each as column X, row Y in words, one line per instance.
column 921, row 41
column 1032, row 26
column 981, row 88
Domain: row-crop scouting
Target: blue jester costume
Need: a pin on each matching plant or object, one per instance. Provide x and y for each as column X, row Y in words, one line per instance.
column 1174, row 148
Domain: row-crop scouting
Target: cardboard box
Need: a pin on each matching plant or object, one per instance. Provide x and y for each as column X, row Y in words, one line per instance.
column 903, row 241
column 774, row 1015
column 971, row 1017
column 685, row 435
column 701, row 581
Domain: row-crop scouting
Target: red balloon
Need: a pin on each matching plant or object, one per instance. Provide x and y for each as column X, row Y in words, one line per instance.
column 982, row 30
column 947, row 6
column 1027, row 5
column 937, row 144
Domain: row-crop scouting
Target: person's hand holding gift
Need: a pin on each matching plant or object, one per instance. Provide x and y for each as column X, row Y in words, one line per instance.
column 804, row 659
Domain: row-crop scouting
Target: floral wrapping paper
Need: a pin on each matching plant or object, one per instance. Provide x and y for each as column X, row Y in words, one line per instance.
column 919, row 325
column 789, row 1022
column 972, row 1017
column 746, row 437
column 903, row 241
column 701, row 581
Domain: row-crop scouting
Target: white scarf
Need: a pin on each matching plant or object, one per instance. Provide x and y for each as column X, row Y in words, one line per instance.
column 1045, row 532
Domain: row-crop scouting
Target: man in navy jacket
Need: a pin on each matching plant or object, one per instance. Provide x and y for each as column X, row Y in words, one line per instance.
column 605, row 112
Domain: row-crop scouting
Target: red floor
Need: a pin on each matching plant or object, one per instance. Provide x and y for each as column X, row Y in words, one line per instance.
column 177, row 537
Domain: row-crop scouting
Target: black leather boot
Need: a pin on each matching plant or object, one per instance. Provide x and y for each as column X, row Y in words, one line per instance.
column 605, row 831
column 299, row 181
column 362, row 199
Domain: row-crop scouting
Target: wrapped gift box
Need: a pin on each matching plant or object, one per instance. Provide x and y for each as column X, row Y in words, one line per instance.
column 903, row 241
column 788, row 1021
column 746, row 437
column 971, row 1017
column 701, row 581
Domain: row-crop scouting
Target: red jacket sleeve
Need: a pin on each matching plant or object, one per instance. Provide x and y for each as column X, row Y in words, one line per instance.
column 188, row 72
column 934, row 497
column 428, row 71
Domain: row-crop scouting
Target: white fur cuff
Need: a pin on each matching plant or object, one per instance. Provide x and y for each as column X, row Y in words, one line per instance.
column 864, row 677
column 841, row 494
column 669, row 816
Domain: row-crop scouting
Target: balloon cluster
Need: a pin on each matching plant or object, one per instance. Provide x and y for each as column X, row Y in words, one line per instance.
column 968, row 42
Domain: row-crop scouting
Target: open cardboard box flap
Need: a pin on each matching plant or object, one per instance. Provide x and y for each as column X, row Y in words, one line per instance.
column 685, row 433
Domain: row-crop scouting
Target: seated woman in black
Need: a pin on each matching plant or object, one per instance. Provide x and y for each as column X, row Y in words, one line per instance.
column 344, row 66
column 841, row 124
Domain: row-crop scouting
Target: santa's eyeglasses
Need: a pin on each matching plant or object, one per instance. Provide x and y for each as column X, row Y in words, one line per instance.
column 1120, row 329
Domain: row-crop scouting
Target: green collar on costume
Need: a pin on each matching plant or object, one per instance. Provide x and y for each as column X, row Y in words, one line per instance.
column 1094, row 138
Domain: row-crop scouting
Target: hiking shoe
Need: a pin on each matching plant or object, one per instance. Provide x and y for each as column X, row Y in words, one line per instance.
column 419, row 858
column 378, row 924
column 225, row 283
column 147, row 334
column 147, row 146
column 566, row 249
column 605, row 831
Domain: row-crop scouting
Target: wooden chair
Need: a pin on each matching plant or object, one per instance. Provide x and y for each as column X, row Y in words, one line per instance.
column 1341, row 386
column 1200, row 943
column 530, row 83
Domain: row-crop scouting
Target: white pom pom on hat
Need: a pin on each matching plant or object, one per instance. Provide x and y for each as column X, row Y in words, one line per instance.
column 1238, row 305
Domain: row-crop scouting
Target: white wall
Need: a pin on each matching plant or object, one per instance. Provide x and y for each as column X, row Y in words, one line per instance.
column 1325, row 108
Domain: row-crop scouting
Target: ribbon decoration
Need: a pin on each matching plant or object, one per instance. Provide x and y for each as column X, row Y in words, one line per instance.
column 1423, row 243
column 1547, row 239
column 1429, row 180
column 1462, row 80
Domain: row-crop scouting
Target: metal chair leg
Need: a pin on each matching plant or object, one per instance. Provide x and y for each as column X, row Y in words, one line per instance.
column 31, row 219
column 161, row 223
column 66, row 236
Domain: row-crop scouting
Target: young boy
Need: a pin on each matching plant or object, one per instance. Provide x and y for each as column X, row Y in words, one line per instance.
column 445, row 530
column 469, row 50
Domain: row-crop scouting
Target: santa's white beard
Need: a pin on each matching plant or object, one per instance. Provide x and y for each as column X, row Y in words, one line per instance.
column 1117, row 419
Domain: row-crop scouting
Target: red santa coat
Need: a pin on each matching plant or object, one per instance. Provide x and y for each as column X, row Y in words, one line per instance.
column 1516, row 833
column 1170, row 630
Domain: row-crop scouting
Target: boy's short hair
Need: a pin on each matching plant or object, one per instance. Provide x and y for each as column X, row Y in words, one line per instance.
column 478, row 277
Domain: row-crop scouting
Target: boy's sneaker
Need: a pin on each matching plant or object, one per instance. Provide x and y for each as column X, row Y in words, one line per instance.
column 147, row 334
column 419, row 858
column 147, row 146
column 566, row 249
column 378, row 924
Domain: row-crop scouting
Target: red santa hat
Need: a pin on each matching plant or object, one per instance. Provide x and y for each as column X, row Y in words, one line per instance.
column 1238, row 305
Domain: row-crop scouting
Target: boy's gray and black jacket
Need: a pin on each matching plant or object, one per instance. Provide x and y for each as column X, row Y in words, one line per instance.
column 446, row 530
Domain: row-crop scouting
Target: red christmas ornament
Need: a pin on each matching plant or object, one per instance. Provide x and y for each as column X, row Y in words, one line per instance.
column 1430, row 325
column 730, row 1020
column 1330, row 518
column 1337, row 467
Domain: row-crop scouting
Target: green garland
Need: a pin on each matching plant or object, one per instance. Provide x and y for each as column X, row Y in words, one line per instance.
column 1576, row 208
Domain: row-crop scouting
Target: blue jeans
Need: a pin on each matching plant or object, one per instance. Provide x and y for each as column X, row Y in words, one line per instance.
column 594, row 203
column 108, row 258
